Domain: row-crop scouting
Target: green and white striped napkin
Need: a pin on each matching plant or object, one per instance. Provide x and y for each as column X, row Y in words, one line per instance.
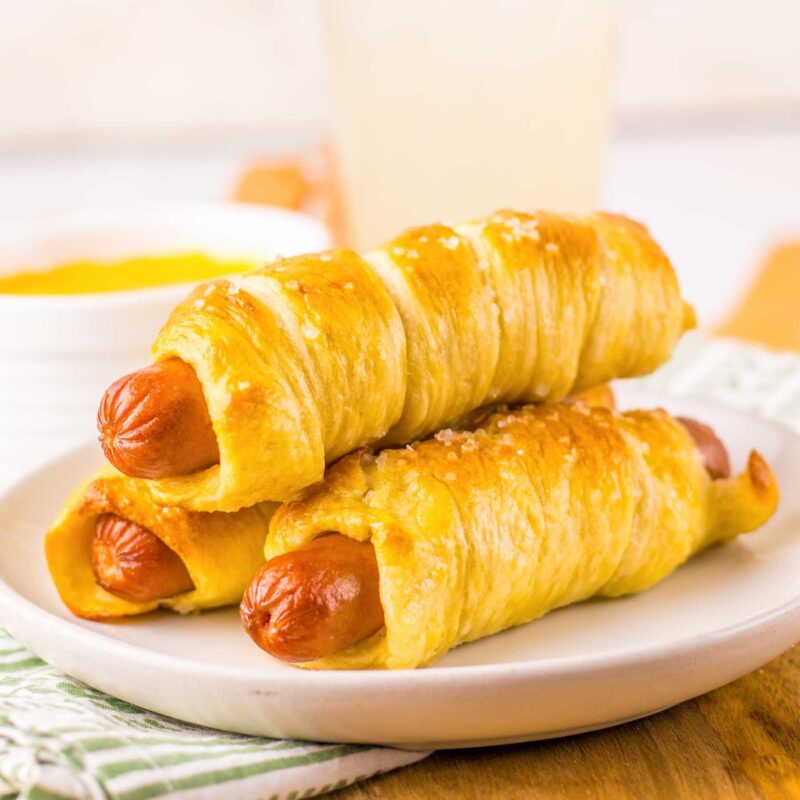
column 61, row 739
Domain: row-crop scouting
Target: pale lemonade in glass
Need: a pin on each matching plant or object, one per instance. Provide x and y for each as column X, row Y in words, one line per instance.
column 450, row 110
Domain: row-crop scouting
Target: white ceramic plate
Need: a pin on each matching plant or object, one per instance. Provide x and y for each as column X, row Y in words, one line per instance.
column 587, row 666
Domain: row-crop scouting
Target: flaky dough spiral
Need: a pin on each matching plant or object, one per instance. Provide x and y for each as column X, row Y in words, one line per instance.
column 310, row 357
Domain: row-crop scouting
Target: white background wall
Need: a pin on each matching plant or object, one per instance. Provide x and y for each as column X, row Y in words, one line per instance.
column 706, row 59
column 94, row 70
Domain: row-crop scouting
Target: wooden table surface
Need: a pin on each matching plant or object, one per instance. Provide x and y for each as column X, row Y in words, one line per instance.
column 740, row 741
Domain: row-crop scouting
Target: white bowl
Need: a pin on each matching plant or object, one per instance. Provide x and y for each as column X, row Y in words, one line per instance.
column 59, row 352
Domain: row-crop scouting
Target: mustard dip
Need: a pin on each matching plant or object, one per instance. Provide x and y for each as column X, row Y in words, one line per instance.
column 81, row 277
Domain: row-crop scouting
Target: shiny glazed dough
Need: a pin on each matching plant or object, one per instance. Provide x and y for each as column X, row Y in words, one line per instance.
column 312, row 356
column 220, row 551
column 475, row 532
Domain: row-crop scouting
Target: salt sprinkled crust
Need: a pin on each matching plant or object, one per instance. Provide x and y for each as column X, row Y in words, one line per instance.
column 310, row 357
column 540, row 507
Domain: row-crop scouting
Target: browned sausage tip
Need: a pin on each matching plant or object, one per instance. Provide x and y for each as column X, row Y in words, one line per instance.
column 712, row 450
column 132, row 563
column 154, row 423
column 315, row 601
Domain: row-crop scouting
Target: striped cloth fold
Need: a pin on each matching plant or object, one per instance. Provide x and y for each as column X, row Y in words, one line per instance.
column 61, row 739
column 745, row 376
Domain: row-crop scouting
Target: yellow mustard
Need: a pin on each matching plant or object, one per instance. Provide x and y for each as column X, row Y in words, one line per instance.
column 82, row 277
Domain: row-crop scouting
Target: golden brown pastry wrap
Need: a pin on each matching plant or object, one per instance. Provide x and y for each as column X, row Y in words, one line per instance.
column 600, row 396
column 220, row 551
column 475, row 532
column 310, row 357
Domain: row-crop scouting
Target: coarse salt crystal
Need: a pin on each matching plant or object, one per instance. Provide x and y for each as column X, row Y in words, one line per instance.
column 445, row 436
column 349, row 286
column 325, row 257
column 292, row 285
column 243, row 386
column 520, row 452
column 451, row 243
column 551, row 247
column 199, row 304
column 309, row 331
